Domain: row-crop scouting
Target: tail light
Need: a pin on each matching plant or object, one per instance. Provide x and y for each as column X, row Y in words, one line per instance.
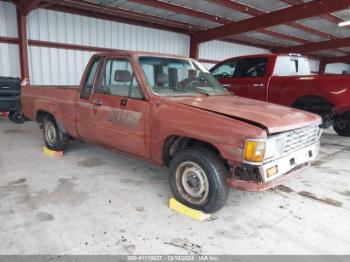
column 25, row 82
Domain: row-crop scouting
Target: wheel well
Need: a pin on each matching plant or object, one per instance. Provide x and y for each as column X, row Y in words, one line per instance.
column 311, row 101
column 174, row 144
column 317, row 105
column 40, row 116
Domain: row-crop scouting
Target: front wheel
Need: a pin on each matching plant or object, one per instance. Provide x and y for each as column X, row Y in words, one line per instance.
column 342, row 124
column 54, row 138
column 197, row 179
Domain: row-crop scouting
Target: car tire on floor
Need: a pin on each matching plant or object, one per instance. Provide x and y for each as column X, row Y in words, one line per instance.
column 342, row 125
column 54, row 138
column 198, row 179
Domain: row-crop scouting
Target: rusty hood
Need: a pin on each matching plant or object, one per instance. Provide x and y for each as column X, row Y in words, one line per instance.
column 274, row 118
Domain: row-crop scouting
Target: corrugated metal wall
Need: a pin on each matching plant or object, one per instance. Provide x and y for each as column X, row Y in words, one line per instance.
column 60, row 66
column 219, row 50
column 9, row 53
column 9, row 60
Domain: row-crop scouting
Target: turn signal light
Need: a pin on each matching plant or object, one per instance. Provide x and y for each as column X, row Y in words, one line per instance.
column 254, row 151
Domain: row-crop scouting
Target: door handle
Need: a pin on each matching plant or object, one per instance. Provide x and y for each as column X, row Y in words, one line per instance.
column 258, row 85
column 97, row 102
column 226, row 85
column 123, row 101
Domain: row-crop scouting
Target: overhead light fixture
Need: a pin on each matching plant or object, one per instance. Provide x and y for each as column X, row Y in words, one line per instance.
column 345, row 23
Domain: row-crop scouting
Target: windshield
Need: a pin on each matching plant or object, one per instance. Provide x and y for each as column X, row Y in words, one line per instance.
column 179, row 77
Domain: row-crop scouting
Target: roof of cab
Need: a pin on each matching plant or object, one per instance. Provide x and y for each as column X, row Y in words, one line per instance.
column 139, row 53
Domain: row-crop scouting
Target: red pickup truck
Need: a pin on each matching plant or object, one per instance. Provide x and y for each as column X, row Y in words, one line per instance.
column 171, row 111
column 287, row 80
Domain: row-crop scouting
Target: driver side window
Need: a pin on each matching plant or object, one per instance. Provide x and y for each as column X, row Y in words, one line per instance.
column 226, row 70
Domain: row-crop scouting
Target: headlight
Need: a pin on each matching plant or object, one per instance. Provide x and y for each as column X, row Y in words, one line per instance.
column 260, row 150
column 274, row 147
column 254, row 150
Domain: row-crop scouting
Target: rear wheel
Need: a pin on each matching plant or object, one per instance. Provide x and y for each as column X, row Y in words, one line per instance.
column 197, row 179
column 54, row 138
column 342, row 124
column 17, row 117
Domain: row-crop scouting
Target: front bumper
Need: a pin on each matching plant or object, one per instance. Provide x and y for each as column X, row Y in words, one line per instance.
column 286, row 167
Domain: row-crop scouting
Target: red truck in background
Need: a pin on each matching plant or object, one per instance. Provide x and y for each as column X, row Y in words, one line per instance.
column 287, row 80
column 171, row 111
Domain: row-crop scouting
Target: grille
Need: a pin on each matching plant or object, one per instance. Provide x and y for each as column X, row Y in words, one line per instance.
column 300, row 138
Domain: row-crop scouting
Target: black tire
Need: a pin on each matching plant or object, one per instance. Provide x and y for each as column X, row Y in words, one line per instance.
column 214, row 171
column 10, row 116
column 342, row 125
column 325, row 114
column 17, row 117
column 54, row 138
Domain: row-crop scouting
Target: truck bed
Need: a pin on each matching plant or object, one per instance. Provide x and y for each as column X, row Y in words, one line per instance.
column 58, row 100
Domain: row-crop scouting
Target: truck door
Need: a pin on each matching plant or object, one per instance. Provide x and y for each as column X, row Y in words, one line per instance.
column 226, row 72
column 120, row 108
column 252, row 80
column 83, row 108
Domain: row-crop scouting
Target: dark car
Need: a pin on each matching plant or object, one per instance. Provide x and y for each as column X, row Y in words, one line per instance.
column 10, row 89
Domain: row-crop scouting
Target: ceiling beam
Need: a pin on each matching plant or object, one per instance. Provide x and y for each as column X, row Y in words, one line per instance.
column 324, row 45
column 249, row 41
column 183, row 10
column 257, row 42
column 213, row 18
column 329, row 17
column 238, row 7
column 283, row 36
column 117, row 14
column 25, row 6
column 283, row 16
column 87, row 8
column 337, row 59
column 256, row 12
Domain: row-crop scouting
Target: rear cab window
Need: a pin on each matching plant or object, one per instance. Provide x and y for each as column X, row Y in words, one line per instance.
column 292, row 66
column 254, row 67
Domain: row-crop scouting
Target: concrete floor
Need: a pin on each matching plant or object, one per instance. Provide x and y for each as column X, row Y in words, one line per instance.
column 94, row 201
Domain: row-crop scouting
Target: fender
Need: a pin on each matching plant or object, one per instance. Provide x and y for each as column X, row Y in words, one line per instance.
column 311, row 98
column 177, row 119
column 341, row 110
column 52, row 109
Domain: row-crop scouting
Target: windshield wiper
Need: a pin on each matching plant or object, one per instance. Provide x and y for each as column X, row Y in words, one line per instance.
column 202, row 93
column 226, row 93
